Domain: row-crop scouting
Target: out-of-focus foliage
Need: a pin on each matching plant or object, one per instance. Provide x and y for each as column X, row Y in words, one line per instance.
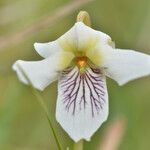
column 23, row 125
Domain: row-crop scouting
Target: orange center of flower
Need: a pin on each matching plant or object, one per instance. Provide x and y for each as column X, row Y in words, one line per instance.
column 81, row 61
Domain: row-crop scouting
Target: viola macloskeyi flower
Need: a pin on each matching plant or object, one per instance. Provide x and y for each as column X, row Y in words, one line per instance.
column 80, row 60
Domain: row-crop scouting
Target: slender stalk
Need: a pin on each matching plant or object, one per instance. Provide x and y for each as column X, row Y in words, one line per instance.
column 41, row 102
column 78, row 145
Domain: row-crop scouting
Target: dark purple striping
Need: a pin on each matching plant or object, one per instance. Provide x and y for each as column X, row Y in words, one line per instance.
column 74, row 86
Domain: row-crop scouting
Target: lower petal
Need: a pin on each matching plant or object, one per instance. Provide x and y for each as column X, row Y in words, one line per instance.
column 82, row 104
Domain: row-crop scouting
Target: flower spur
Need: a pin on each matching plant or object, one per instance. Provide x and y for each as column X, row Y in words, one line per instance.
column 80, row 60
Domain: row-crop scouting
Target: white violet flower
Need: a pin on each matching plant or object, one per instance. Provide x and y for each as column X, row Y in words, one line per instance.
column 80, row 60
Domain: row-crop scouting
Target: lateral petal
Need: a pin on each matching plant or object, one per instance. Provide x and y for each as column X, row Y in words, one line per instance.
column 126, row 65
column 41, row 73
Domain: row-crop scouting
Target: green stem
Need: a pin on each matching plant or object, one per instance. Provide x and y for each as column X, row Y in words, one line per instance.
column 41, row 102
column 78, row 145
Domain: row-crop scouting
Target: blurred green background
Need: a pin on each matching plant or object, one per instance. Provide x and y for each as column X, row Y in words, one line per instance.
column 23, row 125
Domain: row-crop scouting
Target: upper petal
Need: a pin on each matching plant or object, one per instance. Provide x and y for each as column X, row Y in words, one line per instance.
column 126, row 65
column 47, row 49
column 82, row 38
column 41, row 73
column 82, row 104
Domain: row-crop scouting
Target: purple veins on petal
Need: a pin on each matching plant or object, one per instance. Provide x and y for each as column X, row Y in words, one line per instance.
column 82, row 89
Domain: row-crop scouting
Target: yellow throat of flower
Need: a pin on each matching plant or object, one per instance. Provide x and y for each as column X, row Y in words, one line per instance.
column 81, row 63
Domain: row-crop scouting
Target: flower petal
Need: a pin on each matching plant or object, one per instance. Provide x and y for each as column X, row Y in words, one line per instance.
column 126, row 65
column 40, row 73
column 88, row 38
column 82, row 38
column 47, row 49
column 82, row 104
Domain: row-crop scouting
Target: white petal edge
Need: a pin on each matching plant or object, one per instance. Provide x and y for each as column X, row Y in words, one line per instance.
column 47, row 49
column 81, row 125
column 126, row 65
column 40, row 73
